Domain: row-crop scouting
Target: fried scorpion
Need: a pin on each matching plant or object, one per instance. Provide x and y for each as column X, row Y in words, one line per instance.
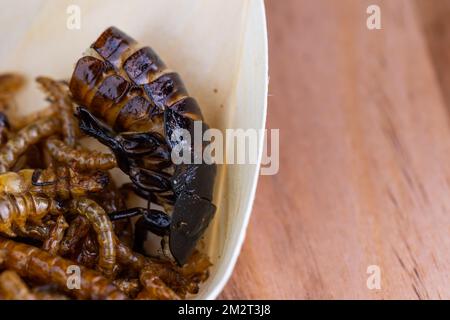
column 131, row 103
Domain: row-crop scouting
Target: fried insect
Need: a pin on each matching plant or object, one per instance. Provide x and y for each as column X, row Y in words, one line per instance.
column 154, row 287
column 10, row 84
column 130, row 287
column 133, row 104
column 12, row 287
column 88, row 255
column 58, row 94
column 48, row 292
column 39, row 232
column 17, row 209
column 77, row 231
column 5, row 128
column 61, row 182
column 53, row 243
column 103, row 227
column 129, row 258
column 36, row 264
column 112, row 199
column 18, row 123
column 182, row 280
column 197, row 266
column 81, row 159
column 27, row 136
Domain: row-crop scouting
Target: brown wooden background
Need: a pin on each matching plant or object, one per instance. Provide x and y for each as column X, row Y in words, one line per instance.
column 365, row 147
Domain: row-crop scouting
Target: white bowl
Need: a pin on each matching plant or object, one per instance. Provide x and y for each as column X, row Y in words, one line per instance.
column 218, row 47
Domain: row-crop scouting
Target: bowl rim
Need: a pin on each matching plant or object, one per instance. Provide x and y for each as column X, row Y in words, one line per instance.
column 236, row 249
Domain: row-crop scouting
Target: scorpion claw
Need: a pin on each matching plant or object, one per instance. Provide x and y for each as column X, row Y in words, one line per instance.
column 191, row 216
column 93, row 127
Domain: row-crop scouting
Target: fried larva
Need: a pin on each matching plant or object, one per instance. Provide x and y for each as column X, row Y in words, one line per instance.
column 58, row 94
column 81, row 159
column 19, row 143
column 34, row 263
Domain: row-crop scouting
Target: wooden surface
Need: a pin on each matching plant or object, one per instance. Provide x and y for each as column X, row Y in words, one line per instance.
column 365, row 146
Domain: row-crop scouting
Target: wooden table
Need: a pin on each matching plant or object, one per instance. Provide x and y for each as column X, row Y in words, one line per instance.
column 365, row 146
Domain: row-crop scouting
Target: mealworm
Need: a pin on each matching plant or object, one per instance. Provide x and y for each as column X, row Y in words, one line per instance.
column 16, row 210
column 78, row 229
column 37, row 232
column 34, row 263
column 103, row 227
column 53, row 243
column 89, row 251
column 64, row 182
column 10, row 84
column 154, row 287
column 27, row 136
column 58, row 94
column 82, row 159
column 130, row 287
column 61, row 182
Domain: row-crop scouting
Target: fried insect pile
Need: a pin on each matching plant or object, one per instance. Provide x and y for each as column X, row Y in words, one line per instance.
column 65, row 229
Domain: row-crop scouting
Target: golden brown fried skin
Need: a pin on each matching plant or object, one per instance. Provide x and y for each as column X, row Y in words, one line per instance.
column 182, row 280
column 81, row 159
column 154, row 287
column 129, row 258
column 37, row 232
column 12, row 287
column 36, row 264
column 17, row 209
column 10, row 84
column 130, row 287
column 58, row 94
column 65, row 183
column 197, row 267
column 129, row 88
column 61, row 182
column 27, row 136
column 53, row 243
column 77, row 231
column 105, row 234
column 48, row 292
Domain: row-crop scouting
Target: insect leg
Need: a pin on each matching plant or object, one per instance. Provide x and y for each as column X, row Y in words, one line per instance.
column 149, row 180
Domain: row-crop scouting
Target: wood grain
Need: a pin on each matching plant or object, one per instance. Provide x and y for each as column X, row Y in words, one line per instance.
column 365, row 146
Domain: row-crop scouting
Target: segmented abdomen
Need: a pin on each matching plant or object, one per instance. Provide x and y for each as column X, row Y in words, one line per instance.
column 16, row 210
column 127, row 87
